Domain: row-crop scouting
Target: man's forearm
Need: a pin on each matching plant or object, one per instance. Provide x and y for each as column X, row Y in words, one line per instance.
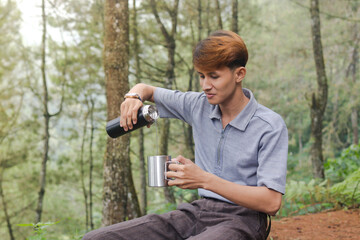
column 257, row 198
column 145, row 91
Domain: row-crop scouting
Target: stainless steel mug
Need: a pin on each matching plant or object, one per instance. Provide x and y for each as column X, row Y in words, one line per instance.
column 157, row 168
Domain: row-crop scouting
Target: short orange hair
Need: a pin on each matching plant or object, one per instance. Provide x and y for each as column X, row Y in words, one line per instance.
column 221, row 48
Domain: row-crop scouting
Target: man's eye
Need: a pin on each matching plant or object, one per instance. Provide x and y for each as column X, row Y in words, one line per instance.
column 214, row 77
column 202, row 76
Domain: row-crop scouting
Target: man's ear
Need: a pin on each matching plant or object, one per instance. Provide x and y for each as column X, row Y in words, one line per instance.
column 240, row 73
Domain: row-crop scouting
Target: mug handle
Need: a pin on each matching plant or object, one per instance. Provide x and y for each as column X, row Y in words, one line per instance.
column 166, row 168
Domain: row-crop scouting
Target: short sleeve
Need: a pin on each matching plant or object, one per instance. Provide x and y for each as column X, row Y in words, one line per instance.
column 176, row 104
column 272, row 157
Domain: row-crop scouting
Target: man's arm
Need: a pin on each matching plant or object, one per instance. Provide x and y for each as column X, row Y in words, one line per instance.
column 190, row 176
column 257, row 198
column 129, row 108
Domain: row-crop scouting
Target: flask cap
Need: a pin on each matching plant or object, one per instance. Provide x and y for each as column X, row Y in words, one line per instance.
column 150, row 113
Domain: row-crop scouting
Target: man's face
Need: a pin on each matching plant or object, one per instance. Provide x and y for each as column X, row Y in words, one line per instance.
column 219, row 85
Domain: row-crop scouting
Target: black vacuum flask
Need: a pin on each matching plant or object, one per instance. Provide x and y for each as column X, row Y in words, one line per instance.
column 146, row 114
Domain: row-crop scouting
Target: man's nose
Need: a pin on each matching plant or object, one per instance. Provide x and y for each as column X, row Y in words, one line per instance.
column 206, row 85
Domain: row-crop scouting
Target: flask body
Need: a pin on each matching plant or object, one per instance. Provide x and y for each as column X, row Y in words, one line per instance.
column 146, row 115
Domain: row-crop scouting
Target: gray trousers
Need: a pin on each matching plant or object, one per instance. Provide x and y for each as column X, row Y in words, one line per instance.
column 202, row 219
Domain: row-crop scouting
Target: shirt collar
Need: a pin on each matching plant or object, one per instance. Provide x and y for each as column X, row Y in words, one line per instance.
column 243, row 118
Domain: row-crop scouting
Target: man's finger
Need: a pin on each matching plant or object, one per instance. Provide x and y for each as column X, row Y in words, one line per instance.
column 123, row 117
column 134, row 116
column 182, row 160
column 129, row 120
column 175, row 167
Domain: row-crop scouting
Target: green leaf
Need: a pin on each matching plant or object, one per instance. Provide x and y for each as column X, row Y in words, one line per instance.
column 25, row 225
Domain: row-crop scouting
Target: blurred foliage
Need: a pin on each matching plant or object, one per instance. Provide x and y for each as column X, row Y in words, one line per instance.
column 337, row 169
column 302, row 197
column 313, row 196
column 347, row 192
column 39, row 229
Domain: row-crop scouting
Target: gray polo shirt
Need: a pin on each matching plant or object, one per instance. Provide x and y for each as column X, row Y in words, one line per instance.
column 251, row 150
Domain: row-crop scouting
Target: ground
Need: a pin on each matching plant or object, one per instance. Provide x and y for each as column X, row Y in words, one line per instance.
column 341, row 224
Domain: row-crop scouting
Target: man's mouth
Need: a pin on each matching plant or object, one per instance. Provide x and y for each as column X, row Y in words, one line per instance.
column 209, row 95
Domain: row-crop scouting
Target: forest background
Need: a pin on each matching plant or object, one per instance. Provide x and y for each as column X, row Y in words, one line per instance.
column 53, row 105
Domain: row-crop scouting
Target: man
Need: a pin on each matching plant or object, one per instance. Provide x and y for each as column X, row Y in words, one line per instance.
column 240, row 152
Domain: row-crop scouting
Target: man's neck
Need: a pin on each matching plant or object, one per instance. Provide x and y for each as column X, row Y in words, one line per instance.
column 231, row 109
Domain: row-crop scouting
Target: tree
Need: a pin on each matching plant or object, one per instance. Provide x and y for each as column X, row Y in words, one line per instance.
column 11, row 105
column 141, row 131
column 80, row 58
column 318, row 98
column 119, row 197
column 218, row 14
column 82, row 172
column 170, row 44
column 352, row 70
column 3, row 166
column 47, row 116
column 234, row 19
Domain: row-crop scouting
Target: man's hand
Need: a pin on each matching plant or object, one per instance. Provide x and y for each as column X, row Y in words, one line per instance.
column 129, row 110
column 130, row 107
column 187, row 174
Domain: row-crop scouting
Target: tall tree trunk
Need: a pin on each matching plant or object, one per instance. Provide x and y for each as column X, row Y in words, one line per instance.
column 143, row 191
column 234, row 19
column 334, row 117
column 218, row 14
column 164, row 141
column 318, row 98
column 91, row 160
column 119, row 197
column 199, row 10
column 199, row 37
column 354, row 124
column 207, row 19
column 189, row 140
column 187, row 128
column 353, row 69
column 47, row 116
column 82, row 173
column 7, row 217
column 170, row 78
column 46, row 120
column 142, row 167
